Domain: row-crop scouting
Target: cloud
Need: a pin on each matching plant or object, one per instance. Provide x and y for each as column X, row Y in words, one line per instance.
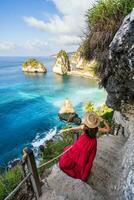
column 7, row 46
column 66, row 40
column 35, row 45
column 72, row 21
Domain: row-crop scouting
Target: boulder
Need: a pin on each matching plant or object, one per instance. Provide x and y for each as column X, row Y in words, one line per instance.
column 33, row 66
column 62, row 65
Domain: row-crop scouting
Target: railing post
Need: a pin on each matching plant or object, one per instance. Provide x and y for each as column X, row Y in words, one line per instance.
column 75, row 136
column 31, row 165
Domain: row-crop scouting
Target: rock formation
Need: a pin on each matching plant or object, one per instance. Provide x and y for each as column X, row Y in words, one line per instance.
column 119, row 74
column 67, row 113
column 33, row 66
column 62, row 65
column 80, row 66
column 119, row 83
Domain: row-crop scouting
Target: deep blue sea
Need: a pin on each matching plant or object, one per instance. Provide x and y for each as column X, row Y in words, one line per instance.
column 29, row 104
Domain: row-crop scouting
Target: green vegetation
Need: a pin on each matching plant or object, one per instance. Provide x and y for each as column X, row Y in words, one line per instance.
column 103, row 21
column 89, row 107
column 9, row 181
column 33, row 63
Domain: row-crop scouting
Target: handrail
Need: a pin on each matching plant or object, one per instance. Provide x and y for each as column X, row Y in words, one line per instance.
column 44, row 164
column 18, row 186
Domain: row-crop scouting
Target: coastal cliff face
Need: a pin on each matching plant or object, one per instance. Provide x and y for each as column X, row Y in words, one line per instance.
column 119, row 83
column 119, row 72
column 62, row 64
column 81, row 66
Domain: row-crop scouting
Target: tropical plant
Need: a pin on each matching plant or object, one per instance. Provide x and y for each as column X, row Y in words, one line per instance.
column 9, row 181
column 89, row 107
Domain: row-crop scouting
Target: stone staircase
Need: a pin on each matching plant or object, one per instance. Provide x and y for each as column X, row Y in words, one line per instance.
column 105, row 167
column 59, row 186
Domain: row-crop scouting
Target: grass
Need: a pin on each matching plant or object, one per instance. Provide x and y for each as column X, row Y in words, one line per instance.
column 9, row 181
column 103, row 21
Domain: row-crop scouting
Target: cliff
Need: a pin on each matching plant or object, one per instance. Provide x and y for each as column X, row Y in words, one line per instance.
column 119, row 83
column 74, row 64
column 79, row 65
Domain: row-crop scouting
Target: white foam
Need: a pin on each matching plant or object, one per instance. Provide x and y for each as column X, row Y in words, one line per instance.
column 40, row 141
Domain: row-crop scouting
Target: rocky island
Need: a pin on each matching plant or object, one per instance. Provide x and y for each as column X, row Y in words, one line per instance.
column 33, row 66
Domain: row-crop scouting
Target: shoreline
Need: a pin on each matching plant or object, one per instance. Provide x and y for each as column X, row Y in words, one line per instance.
column 82, row 74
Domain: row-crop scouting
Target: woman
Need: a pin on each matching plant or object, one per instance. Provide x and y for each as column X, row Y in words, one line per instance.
column 78, row 160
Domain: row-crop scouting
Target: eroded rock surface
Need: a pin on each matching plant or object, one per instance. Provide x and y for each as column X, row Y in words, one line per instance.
column 62, row 65
column 119, row 81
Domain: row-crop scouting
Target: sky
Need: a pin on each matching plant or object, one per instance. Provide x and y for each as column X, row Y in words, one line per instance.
column 41, row 27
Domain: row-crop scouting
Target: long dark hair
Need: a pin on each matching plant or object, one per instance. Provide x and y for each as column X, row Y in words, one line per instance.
column 91, row 132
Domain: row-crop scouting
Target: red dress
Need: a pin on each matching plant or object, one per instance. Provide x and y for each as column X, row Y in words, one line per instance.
column 78, row 161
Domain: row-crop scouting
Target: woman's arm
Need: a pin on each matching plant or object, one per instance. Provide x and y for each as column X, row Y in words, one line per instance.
column 78, row 128
column 106, row 128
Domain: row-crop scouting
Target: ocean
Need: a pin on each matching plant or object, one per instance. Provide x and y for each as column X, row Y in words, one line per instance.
column 29, row 104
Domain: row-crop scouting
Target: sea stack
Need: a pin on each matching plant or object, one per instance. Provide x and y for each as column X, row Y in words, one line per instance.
column 67, row 113
column 33, row 66
column 62, row 64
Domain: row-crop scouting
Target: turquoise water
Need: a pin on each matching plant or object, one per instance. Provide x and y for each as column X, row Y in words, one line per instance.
column 29, row 104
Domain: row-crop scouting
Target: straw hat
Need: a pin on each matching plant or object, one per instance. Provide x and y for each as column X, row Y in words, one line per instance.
column 91, row 120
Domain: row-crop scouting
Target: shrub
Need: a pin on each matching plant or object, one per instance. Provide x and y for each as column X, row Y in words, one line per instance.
column 9, row 181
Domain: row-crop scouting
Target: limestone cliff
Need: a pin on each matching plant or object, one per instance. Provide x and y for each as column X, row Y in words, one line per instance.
column 119, row 72
column 119, row 83
column 62, row 64
column 80, row 66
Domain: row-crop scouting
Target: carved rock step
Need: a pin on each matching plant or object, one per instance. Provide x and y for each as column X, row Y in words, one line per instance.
column 68, row 188
column 104, row 167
